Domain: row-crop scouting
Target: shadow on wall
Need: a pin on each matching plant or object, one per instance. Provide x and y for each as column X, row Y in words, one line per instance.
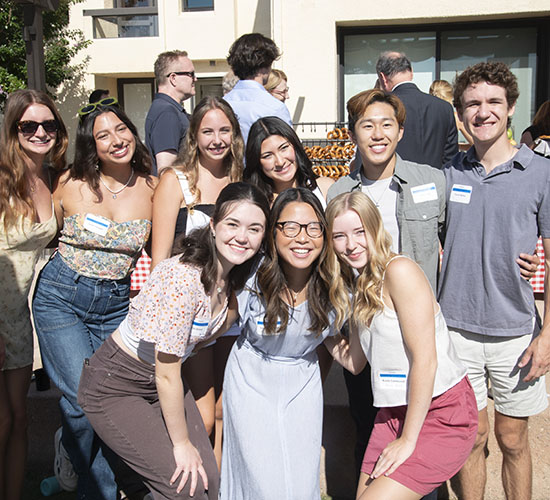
column 71, row 96
column 262, row 19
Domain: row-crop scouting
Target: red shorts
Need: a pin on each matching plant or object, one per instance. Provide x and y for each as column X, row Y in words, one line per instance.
column 444, row 443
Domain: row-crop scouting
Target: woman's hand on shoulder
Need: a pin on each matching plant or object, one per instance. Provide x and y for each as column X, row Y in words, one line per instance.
column 188, row 463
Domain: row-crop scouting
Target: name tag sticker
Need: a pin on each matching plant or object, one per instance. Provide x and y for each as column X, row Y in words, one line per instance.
column 392, row 380
column 461, row 193
column 425, row 192
column 199, row 328
column 97, row 224
column 260, row 326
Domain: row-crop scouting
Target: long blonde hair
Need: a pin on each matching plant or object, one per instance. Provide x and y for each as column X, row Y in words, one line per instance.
column 14, row 196
column 188, row 157
column 366, row 288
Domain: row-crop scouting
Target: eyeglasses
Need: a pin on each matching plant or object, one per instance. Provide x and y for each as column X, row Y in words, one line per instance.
column 190, row 74
column 88, row 108
column 30, row 126
column 282, row 93
column 292, row 229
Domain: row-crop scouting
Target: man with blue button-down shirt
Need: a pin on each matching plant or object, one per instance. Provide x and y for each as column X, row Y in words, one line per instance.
column 250, row 58
column 498, row 202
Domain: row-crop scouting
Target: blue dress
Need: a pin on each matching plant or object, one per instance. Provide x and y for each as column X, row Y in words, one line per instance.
column 272, row 408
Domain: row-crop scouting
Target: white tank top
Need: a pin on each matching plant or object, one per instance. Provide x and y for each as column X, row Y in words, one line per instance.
column 195, row 218
column 389, row 360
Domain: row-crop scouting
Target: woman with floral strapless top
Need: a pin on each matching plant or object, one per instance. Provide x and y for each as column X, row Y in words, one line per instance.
column 211, row 158
column 33, row 139
column 104, row 207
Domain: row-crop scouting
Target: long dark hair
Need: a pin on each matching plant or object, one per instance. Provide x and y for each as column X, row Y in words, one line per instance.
column 261, row 130
column 272, row 279
column 86, row 160
column 199, row 247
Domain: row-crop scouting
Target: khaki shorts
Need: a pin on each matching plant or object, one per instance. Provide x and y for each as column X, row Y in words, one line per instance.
column 496, row 359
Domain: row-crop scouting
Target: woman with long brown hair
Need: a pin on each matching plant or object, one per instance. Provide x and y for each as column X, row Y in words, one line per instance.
column 103, row 205
column 32, row 151
column 211, row 157
column 272, row 395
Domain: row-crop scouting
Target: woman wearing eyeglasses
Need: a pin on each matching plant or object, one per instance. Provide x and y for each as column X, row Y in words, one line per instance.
column 272, row 397
column 103, row 205
column 275, row 161
column 277, row 85
column 33, row 142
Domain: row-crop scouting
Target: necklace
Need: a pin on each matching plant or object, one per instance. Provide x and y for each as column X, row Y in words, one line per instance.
column 377, row 201
column 114, row 193
column 294, row 295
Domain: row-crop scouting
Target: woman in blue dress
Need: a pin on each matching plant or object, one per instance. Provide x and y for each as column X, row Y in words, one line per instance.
column 273, row 402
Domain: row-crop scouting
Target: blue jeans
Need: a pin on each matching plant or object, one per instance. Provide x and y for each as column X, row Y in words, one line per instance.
column 73, row 315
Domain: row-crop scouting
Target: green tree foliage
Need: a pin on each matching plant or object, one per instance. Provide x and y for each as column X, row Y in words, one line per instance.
column 61, row 44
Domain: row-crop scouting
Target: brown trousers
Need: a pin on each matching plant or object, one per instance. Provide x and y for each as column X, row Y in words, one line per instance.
column 120, row 399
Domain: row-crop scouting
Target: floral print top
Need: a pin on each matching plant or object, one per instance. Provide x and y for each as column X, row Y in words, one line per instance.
column 98, row 247
column 173, row 310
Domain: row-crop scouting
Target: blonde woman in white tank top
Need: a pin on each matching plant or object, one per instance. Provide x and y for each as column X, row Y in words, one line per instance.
column 427, row 422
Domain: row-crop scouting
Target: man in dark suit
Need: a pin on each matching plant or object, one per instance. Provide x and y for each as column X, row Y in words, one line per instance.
column 430, row 135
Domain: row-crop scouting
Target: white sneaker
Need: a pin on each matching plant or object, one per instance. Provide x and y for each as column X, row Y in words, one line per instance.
column 62, row 466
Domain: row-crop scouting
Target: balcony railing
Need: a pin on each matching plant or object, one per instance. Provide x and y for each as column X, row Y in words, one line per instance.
column 125, row 22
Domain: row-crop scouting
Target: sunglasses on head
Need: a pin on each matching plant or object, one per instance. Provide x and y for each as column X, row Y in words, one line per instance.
column 88, row 108
column 30, row 126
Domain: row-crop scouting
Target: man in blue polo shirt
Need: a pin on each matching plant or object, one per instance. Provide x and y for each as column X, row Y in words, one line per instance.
column 498, row 202
column 167, row 121
column 250, row 58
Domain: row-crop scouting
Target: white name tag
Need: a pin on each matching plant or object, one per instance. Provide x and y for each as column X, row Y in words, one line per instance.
column 425, row 192
column 461, row 193
column 392, row 380
column 199, row 328
column 97, row 224
column 260, row 326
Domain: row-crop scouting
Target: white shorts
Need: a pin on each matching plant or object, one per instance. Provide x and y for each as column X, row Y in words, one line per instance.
column 496, row 359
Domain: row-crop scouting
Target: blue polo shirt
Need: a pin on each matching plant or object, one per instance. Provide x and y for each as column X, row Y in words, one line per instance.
column 165, row 126
column 491, row 219
column 250, row 101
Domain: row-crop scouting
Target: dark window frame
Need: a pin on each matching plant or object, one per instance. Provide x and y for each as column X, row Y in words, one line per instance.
column 542, row 25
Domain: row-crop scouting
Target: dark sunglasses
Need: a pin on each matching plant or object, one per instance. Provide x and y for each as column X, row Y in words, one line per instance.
column 30, row 126
column 88, row 108
column 190, row 74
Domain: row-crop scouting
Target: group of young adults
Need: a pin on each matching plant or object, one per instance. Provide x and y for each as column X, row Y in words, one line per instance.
column 252, row 275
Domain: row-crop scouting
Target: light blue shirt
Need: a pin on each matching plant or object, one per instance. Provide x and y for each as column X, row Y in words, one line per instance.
column 250, row 101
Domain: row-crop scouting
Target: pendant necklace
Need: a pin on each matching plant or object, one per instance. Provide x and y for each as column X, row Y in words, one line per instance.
column 114, row 193
column 374, row 200
column 293, row 294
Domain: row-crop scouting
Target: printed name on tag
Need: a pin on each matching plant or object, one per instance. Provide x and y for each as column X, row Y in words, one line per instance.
column 461, row 193
column 392, row 380
column 97, row 224
column 425, row 192
column 199, row 328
